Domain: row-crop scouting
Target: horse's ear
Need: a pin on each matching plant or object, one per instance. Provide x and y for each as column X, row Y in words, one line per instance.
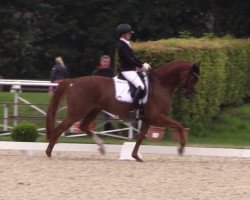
column 196, row 67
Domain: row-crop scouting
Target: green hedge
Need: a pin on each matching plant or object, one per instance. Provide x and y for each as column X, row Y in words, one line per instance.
column 225, row 73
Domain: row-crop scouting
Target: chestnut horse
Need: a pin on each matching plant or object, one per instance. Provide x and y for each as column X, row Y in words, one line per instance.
column 87, row 96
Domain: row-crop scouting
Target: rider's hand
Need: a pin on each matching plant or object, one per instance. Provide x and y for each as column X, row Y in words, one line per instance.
column 146, row 66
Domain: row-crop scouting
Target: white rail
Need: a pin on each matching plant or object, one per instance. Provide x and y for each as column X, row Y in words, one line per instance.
column 26, row 82
column 16, row 87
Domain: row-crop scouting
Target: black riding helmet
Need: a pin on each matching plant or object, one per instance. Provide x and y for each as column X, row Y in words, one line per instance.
column 124, row 28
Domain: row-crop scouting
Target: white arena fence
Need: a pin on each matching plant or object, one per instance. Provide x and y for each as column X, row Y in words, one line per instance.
column 19, row 86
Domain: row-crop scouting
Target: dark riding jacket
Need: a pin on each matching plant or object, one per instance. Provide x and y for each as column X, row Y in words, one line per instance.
column 58, row 72
column 107, row 72
column 128, row 61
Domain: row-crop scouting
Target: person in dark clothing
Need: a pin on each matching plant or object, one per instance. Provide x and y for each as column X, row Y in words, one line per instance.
column 59, row 71
column 129, row 64
column 103, row 69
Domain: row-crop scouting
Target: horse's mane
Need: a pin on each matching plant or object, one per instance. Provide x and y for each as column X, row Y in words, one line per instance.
column 168, row 71
column 166, row 68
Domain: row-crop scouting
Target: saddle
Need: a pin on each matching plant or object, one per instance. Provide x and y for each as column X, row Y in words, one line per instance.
column 125, row 90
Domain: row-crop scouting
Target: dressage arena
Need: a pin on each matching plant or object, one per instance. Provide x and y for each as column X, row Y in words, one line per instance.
column 89, row 175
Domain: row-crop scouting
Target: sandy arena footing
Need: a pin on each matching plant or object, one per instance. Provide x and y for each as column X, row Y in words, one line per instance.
column 149, row 149
column 77, row 175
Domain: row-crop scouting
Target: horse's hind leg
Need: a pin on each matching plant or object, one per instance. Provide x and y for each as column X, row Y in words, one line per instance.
column 84, row 127
column 64, row 125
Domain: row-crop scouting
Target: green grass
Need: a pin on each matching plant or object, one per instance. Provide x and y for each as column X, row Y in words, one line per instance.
column 231, row 128
column 26, row 112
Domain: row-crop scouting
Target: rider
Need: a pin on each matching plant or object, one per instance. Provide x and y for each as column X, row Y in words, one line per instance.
column 129, row 64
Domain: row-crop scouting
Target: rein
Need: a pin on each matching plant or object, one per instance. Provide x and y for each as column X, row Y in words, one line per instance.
column 185, row 88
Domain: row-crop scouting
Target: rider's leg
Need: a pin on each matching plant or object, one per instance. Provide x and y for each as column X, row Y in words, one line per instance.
column 137, row 96
column 133, row 77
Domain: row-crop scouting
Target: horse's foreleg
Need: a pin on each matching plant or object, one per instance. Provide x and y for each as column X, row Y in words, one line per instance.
column 140, row 137
column 66, row 124
column 174, row 124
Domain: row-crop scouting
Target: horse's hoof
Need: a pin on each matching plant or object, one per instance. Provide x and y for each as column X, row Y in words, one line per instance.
column 48, row 153
column 181, row 151
column 102, row 150
column 137, row 158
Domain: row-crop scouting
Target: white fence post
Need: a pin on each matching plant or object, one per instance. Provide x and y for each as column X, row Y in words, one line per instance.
column 130, row 132
column 5, row 116
column 15, row 110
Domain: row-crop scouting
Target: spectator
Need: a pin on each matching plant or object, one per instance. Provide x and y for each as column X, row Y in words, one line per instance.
column 59, row 71
column 103, row 69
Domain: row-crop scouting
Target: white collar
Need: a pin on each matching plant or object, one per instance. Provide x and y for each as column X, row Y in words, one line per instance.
column 126, row 41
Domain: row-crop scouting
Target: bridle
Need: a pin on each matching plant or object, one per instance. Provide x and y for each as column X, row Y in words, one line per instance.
column 185, row 89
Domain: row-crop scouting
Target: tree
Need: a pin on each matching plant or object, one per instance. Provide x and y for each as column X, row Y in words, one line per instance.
column 33, row 33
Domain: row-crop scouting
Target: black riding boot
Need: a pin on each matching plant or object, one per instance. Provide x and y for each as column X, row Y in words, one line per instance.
column 135, row 103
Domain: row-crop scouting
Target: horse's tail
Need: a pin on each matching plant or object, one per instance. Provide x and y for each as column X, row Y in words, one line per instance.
column 53, row 106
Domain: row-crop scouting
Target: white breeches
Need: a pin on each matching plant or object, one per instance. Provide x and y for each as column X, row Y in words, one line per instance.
column 133, row 78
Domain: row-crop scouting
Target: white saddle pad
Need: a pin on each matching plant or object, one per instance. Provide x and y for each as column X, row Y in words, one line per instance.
column 122, row 91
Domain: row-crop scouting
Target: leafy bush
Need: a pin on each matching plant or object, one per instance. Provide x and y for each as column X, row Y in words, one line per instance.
column 184, row 34
column 224, row 78
column 209, row 35
column 24, row 132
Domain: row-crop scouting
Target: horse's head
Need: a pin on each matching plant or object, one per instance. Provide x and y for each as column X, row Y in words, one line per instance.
column 189, row 78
